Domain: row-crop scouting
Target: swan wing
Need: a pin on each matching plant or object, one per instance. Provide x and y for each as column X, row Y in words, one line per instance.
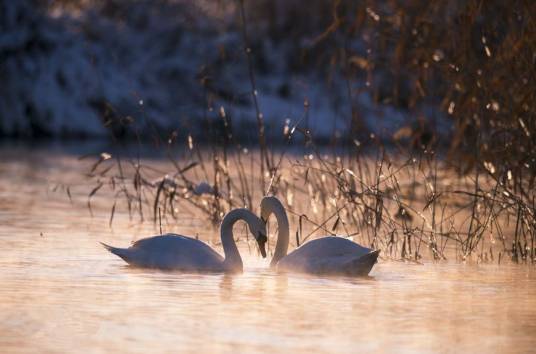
column 339, row 265
column 331, row 246
column 171, row 251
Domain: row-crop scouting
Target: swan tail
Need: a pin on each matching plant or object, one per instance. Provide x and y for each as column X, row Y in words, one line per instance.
column 120, row 252
column 363, row 265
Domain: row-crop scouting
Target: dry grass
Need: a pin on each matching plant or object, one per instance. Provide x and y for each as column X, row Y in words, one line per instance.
column 474, row 60
column 411, row 207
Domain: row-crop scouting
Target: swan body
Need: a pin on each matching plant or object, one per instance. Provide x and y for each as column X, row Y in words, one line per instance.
column 170, row 251
column 186, row 254
column 328, row 255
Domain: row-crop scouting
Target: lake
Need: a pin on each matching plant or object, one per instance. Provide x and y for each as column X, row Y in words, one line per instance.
column 62, row 292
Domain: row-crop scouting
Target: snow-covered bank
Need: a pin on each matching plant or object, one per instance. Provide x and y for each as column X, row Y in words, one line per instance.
column 160, row 66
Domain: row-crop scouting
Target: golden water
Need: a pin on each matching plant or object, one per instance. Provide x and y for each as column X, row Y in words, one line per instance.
column 60, row 291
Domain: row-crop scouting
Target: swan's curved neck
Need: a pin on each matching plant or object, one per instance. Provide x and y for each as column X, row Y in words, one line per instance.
column 233, row 261
column 274, row 206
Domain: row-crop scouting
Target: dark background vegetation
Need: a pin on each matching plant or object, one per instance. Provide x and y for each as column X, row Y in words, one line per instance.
column 460, row 73
column 428, row 108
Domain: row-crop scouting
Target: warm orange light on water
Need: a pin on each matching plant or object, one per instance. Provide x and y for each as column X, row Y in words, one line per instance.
column 62, row 292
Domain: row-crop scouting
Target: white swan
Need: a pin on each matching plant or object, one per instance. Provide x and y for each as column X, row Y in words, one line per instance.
column 182, row 253
column 327, row 255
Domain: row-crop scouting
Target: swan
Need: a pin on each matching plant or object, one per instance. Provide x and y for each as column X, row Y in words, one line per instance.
column 328, row 255
column 182, row 253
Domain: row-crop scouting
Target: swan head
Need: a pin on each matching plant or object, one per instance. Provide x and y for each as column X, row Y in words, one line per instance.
column 268, row 206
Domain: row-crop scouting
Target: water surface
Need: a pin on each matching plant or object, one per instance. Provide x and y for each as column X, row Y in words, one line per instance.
column 61, row 292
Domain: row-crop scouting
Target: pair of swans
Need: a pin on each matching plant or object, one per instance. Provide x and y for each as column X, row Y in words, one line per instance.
column 323, row 256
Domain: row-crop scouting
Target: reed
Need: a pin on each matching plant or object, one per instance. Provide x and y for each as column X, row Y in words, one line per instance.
column 412, row 207
column 422, row 193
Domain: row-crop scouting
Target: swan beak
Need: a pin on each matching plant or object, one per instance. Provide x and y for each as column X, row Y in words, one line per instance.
column 261, row 240
column 263, row 251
